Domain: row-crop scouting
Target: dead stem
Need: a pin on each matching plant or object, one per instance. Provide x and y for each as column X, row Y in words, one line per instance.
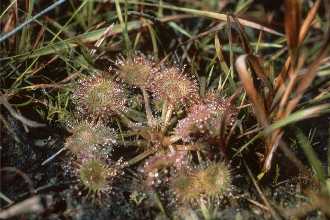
column 150, row 118
column 167, row 118
column 261, row 194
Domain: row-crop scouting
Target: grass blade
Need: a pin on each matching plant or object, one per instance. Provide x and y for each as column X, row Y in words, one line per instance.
column 208, row 14
column 311, row 156
column 19, row 27
column 299, row 116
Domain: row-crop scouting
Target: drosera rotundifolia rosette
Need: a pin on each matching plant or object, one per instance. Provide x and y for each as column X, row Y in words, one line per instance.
column 168, row 143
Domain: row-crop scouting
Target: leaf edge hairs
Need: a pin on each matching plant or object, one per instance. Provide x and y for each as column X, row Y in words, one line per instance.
column 99, row 97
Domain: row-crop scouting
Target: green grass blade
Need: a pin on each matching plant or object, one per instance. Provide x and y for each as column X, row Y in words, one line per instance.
column 73, row 42
column 208, row 14
column 299, row 116
column 22, row 25
column 179, row 29
column 311, row 156
column 123, row 25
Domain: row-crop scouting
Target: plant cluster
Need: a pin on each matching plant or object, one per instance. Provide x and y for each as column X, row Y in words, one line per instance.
column 158, row 137
column 178, row 132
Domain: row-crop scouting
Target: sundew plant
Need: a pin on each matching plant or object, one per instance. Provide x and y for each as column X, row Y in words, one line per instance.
column 164, row 109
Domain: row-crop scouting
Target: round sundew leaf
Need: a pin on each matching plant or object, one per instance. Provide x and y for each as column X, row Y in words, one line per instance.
column 214, row 180
column 172, row 86
column 94, row 174
column 185, row 187
column 90, row 138
column 206, row 118
column 99, row 97
column 136, row 71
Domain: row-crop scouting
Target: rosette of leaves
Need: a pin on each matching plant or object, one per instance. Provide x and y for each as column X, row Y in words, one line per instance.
column 99, row 97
